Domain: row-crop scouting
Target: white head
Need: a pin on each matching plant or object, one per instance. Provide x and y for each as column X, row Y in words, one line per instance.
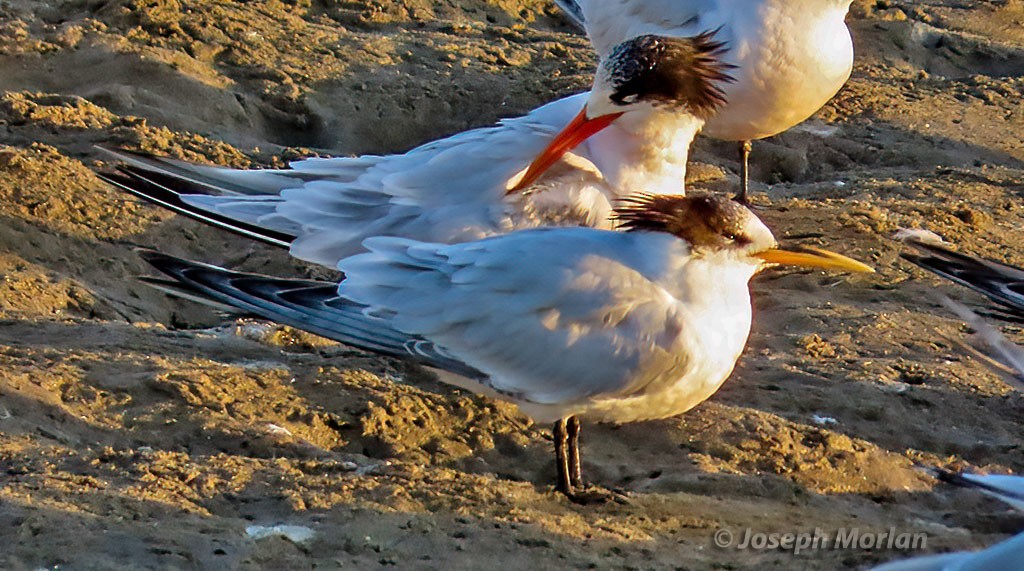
column 642, row 75
column 713, row 225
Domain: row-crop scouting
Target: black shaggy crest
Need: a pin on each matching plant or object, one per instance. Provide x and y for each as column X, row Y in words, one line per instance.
column 673, row 71
column 702, row 220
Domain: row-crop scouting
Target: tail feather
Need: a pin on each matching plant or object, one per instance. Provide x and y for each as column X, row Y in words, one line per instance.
column 312, row 306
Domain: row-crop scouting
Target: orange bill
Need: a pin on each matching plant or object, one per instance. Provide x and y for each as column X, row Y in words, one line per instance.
column 577, row 131
column 813, row 258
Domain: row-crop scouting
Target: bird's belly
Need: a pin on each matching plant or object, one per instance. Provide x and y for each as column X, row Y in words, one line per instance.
column 782, row 83
column 653, row 406
column 770, row 110
column 664, row 399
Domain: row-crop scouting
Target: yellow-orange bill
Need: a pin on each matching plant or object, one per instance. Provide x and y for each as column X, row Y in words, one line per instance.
column 577, row 131
column 813, row 258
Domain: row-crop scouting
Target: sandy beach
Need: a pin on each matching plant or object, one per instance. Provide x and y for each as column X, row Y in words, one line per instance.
column 139, row 431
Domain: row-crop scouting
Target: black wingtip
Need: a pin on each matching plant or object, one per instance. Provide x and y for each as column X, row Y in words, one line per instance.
column 171, row 265
column 158, row 189
column 122, row 154
column 178, row 289
column 964, row 481
column 1001, row 283
column 950, row 477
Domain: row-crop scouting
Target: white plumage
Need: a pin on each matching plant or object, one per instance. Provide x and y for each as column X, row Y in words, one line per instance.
column 790, row 56
column 450, row 190
column 563, row 322
column 571, row 321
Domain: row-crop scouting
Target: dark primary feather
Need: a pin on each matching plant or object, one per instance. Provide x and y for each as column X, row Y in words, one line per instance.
column 1001, row 283
column 163, row 181
column 312, row 306
column 182, row 290
column 140, row 184
column 194, row 176
column 959, row 480
column 666, row 70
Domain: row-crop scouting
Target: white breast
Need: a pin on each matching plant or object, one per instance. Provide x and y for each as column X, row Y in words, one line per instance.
column 712, row 322
column 791, row 58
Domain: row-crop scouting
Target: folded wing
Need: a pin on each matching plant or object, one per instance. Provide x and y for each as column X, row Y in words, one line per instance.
column 551, row 315
column 323, row 208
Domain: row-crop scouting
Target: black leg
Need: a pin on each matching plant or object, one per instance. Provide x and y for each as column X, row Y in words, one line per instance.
column 567, row 463
column 745, row 148
column 572, row 426
column 561, row 438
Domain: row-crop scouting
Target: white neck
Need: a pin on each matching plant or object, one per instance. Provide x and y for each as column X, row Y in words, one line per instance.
column 715, row 294
column 645, row 151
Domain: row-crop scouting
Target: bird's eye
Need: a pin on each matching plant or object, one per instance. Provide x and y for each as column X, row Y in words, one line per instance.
column 737, row 238
column 625, row 99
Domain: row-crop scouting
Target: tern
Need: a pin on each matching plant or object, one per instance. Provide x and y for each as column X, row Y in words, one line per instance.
column 788, row 58
column 456, row 189
column 1006, row 555
column 565, row 322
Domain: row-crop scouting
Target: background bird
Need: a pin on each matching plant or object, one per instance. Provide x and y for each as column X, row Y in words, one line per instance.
column 1002, row 283
column 789, row 56
column 1007, row 488
column 1008, row 554
column 454, row 189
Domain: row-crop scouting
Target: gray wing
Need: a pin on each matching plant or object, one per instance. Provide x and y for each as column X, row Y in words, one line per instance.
column 1005, row 555
column 551, row 316
column 311, row 306
column 323, row 208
